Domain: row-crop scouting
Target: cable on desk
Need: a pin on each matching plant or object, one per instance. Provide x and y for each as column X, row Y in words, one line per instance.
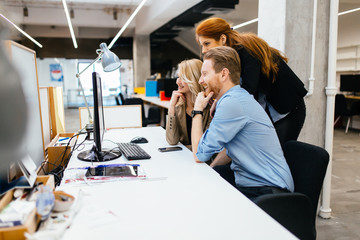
column 60, row 166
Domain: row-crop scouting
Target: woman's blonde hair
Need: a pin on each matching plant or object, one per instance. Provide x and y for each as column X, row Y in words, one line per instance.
column 190, row 72
column 215, row 27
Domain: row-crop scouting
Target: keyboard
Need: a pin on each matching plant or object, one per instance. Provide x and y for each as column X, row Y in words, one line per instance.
column 133, row 151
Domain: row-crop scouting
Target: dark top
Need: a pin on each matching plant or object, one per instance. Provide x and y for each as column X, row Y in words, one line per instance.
column 283, row 94
column 188, row 126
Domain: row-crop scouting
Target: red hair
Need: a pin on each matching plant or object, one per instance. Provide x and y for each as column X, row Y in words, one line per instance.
column 259, row 48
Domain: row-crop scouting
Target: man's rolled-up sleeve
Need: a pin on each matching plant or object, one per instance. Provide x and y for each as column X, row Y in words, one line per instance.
column 226, row 123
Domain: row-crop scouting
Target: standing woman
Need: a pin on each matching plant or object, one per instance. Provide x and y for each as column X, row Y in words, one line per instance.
column 264, row 74
column 178, row 125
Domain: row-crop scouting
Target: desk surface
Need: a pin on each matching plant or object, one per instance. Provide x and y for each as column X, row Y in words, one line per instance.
column 352, row 97
column 153, row 100
column 180, row 199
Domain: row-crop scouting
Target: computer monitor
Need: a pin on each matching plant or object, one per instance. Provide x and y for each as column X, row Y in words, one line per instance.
column 160, row 85
column 97, row 153
column 170, row 86
column 350, row 83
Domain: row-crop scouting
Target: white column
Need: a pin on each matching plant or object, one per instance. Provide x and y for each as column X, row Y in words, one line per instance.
column 325, row 210
column 141, row 56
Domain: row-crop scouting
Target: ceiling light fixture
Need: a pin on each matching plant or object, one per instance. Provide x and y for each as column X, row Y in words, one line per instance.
column 127, row 23
column 349, row 11
column 20, row 30
column 69, row 23
column 245, row 23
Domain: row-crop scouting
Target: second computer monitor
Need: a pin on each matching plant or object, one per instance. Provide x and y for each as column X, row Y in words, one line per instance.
column 168, row 85
column 350, row 83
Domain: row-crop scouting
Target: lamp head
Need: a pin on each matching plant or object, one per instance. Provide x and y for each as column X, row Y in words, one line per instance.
column 109, row 60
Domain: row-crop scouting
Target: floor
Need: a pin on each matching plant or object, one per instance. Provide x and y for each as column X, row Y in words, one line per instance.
column 345, row 186
column 345, row 189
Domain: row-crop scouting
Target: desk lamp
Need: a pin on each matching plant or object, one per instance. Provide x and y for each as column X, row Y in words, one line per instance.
column 109, row 62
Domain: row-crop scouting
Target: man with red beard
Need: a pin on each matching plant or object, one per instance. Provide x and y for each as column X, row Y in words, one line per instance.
column 241, row 126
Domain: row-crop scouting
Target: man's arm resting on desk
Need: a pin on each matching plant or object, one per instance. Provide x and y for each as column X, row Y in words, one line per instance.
column 221, row 159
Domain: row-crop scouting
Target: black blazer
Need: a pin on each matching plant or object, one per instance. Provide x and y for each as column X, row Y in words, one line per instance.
column 283, row 94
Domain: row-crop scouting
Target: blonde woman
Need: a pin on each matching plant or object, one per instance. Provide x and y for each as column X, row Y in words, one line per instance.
column 178, row 125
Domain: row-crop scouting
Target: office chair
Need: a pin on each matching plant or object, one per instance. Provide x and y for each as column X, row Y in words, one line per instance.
column 153, row 113
column 341, row 109
column 119, row 99
column 297, row 211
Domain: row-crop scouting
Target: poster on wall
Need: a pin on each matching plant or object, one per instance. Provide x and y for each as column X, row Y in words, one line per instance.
column 56, row 73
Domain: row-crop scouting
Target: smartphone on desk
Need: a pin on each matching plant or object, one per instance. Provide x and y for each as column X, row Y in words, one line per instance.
column 170, row 149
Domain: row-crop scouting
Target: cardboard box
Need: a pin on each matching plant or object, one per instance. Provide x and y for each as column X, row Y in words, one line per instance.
column 58, row 154
column 30, row 225
column 151, row 88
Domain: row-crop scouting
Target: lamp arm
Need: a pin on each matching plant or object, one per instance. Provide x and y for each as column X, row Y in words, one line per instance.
column 86, row 104
column 82, row 88
column 98, row 57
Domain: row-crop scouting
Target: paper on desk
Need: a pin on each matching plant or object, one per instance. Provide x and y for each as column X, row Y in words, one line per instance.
column 76, row 176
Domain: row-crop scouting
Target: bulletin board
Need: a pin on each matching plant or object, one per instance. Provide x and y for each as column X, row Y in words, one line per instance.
column 24, row 60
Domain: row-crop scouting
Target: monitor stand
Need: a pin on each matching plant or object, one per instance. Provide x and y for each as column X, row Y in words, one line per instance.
column 94, row 155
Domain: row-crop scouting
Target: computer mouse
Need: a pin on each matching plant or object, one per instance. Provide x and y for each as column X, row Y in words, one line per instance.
column 139, row 140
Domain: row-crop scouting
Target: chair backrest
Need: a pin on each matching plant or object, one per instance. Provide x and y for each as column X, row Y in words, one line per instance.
column 119, row 99
column 137, row 101
column 292, row 210
column 340, row 105
column 115, row 116
column 308, row 165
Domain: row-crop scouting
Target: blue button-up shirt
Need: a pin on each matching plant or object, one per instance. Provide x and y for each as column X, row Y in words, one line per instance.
column 242, row 127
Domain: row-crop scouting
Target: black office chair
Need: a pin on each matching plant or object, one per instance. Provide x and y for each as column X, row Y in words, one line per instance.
column 297, row 211
column 342, row 110
column 153, row 113
column 119, row 99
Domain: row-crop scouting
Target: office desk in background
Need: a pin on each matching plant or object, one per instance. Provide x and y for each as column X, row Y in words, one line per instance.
column 164, row 105
column 180, row 199
column 352, row 97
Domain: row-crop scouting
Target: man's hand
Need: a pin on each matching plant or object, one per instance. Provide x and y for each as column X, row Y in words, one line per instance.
column 201, row 101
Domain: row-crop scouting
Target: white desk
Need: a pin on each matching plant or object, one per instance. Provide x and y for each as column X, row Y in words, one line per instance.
column 153, row 100
column 181, row 200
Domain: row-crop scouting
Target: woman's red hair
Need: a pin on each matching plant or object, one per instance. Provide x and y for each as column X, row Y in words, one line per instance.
column 215, row 27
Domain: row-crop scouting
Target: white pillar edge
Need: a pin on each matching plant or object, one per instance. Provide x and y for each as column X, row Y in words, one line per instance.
column 325, row 210
column 313, row 43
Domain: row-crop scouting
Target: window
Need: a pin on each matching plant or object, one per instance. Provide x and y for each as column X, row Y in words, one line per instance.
column 111, row 81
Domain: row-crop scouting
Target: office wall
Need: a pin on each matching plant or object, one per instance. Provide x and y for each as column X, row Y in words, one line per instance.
column 69, row 71
column 348, row 55
column 349, row 25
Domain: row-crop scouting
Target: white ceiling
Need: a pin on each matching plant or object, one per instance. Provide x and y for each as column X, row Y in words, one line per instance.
column 95, row 18
column 92, row 18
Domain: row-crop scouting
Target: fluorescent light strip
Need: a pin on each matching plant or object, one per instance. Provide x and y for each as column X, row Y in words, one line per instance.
column 20, row 30
column 69, row 23
column 126, row 24
column 349, row 11
column 246, row 23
